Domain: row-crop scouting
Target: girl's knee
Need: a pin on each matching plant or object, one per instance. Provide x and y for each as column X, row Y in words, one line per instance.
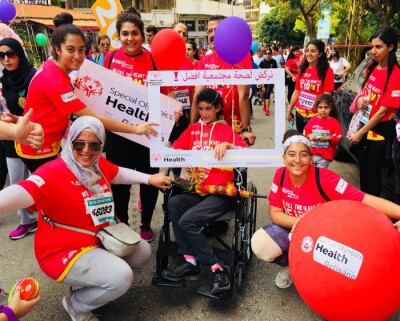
column 264, row 247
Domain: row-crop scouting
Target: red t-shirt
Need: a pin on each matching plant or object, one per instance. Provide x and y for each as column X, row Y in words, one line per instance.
column 311, row 87
column 52, row 99
column 324, row 127
column 390, row 98
column 227, row 92
column 293, row 64
column 132, row 67
column 205, row 137
column 57, row 193
column 299, row 200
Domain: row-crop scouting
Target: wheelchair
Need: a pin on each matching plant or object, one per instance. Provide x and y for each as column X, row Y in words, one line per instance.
column 235, row 253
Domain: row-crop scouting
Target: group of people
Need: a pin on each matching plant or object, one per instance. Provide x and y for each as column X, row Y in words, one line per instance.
column 218, row 119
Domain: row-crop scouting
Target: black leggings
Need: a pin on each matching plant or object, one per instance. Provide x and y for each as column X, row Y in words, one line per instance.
column 3, row 165
column 268, row 90
column 301, row 122
column 371, row 155
column 125, row 153
column 290, row 89
column 34, row 164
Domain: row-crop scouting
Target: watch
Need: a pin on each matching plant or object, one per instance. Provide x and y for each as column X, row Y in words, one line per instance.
column 246, row 129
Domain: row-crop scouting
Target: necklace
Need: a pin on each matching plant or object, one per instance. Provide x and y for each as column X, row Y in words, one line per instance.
column 133, row 56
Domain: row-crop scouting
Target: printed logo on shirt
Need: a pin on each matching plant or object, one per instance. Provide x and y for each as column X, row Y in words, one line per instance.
column 341, row 186
column 274, row 188
column 396, row 93
column 36, row 179
column 68, row 97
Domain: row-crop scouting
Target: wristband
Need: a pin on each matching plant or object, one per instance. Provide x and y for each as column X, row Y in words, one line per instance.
column 8, row 312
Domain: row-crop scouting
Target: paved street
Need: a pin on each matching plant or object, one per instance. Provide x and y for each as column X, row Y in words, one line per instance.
column 261, row 299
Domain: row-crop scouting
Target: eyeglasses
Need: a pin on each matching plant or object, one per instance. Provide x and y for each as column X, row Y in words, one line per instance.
column 79, row 145
column 303, row 156
column 267, row 53
column 104, row 45
column 8, row 53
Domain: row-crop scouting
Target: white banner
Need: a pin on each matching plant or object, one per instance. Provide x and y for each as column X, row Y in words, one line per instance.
column 122, row 99
column 162, row 156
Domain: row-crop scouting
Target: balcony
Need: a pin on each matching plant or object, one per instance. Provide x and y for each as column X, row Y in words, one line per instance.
column 204, row 7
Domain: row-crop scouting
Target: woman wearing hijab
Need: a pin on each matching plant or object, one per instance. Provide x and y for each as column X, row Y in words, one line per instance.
column 17, row 75
column 65, row 191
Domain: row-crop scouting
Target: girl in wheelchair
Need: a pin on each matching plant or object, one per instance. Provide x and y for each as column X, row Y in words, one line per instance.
column 189, row 212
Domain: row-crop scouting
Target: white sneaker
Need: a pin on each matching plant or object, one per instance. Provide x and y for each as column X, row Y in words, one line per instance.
column 283, row 279
column 67, row 304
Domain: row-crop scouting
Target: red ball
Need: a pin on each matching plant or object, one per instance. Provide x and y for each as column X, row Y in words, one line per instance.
column 168, row 50
column 344, row 258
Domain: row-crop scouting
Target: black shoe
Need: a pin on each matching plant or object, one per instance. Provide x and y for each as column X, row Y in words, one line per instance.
column 220, row 281
column 184, row 271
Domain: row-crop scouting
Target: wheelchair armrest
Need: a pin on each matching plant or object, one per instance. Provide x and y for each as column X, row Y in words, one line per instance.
column 241, row 176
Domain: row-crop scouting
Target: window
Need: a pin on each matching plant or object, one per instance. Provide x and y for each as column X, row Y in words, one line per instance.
column 190, row 25
column 202, row 25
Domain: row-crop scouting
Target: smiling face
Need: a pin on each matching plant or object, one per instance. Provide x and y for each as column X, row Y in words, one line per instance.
column 10, row 63
column 312, row 55
column 86, row 157
column 208, row 113
column 380, row 51
column 131, row 38
column 71, row 54
column 297, row 160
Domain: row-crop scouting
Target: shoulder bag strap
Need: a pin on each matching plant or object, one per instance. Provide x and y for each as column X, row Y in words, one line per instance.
column 321, row 191
column 111, row 58
column 67, row 227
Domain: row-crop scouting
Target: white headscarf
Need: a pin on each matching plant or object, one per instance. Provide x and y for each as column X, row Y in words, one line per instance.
column 88, row 177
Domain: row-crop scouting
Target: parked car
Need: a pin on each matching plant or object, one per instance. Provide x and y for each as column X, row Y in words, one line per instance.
column 343, row 99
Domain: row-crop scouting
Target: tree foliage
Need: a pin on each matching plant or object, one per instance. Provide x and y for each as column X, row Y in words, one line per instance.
column 278, row 27
column 377, row 13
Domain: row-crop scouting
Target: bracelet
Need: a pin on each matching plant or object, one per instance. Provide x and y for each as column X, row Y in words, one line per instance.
column 8, row 312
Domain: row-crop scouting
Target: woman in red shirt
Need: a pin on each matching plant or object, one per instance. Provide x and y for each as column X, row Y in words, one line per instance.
column 315, row 78
column 380, row 98
column 294, row 192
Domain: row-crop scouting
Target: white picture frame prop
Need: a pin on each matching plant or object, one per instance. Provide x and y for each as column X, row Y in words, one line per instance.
column 162, row 156
column 115, row 96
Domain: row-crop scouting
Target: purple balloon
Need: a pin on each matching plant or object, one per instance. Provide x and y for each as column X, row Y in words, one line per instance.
column 232, row 40
column 7, row 11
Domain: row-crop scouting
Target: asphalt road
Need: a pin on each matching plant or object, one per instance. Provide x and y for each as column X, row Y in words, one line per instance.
column 260, row 300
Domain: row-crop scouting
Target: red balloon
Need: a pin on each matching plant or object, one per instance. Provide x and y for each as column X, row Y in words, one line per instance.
column 344, row 260
column 168, row 50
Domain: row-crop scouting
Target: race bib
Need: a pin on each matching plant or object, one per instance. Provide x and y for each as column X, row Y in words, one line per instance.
column 320, row 133
column 183, row 97
column 364, row 119
column 101, row 208
column 306, row 100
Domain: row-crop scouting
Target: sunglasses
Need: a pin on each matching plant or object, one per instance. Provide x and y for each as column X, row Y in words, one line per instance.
column 79, row 145
column 104, row 45
column 8, row 53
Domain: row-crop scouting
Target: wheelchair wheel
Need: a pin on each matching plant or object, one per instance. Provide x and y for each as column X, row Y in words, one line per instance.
column 248, row 224
column 240, row 273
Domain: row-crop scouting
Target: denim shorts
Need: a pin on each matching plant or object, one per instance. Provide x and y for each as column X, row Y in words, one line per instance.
column 279, row 234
